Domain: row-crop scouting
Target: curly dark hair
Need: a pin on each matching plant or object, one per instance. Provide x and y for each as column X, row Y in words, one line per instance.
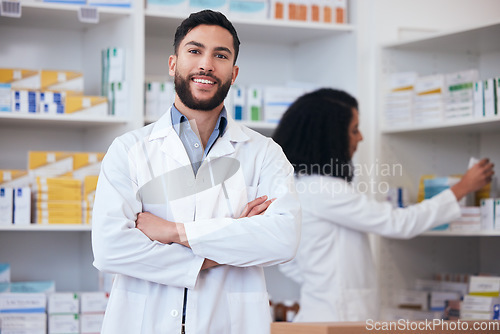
column 313, row 133
column 207, row 17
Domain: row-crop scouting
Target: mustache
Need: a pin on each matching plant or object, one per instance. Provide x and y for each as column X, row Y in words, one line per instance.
column 205, row 74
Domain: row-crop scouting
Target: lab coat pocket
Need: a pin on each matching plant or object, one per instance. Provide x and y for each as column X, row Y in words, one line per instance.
column 124, row 305
column 250, row 312
column 359, row 305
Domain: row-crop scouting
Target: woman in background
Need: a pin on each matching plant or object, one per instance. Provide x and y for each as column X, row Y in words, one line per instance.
column 319, row 134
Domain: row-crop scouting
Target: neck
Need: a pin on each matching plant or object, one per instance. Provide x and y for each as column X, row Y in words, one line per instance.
column 202, row 122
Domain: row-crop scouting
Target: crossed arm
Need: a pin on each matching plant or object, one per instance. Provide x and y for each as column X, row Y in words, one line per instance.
column 167, row 232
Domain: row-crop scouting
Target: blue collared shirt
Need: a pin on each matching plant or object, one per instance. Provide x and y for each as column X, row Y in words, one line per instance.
column 191, row 142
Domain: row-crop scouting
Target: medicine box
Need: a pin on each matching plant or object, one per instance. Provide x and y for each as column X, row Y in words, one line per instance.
column 5, row 97
column 217, row 5
column 249, row 9
column 478, row 99
column 33, row 287
column 64, row 324
column 4, row 272
column 279, row 9
column 23, row 302
column 487, row 213
column 490, row 99
column 6, row 208
column 63, row 302
column 91, row 323
column 93, row 302
column 22, row 206
column 488, row 286
column 497, row 213
column 19, row 78
column 86, row 105
column 23, row 323
column 171, row 6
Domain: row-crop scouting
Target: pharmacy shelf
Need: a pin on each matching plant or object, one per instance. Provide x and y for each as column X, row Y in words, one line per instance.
column 479, row 39
column 262, row 31
column 47, row 228
column 77, row 121
column 59, row 16
column 483, row 125
column 446, row 233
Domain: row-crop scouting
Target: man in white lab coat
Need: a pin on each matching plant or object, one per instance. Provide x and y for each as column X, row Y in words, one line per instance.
column 171, row 217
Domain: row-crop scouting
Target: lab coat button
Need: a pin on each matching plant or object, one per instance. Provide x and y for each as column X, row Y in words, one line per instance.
column 174, row 313
column 196, row 145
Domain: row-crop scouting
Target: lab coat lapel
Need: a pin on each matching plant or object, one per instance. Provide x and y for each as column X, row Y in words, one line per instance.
column 220, row 180
column 178, row 174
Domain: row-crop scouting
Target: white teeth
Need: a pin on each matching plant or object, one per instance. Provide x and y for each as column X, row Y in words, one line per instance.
column 203, row 81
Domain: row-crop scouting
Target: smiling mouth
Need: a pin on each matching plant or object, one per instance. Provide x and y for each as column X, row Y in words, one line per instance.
column 204, row 81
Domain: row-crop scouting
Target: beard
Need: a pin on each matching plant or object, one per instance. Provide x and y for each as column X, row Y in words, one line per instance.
column 186, row 96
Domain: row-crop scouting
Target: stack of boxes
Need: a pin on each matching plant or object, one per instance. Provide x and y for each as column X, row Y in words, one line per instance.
column 439, row 97
column 261, row 103
column 482, row 299
column 429, row 99
column 36, row 308
column 113, row 81
column 61, row 184
column 459, row 101
column 399, row 99
column 321, row 11
column 15, row 192
column 47, row 92
column 159, row 97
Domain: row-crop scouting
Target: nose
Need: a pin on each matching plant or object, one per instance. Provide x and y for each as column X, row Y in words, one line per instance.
column 206, row 63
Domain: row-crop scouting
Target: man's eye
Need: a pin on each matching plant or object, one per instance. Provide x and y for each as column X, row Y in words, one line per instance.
column 193, row 51
column 221, row 56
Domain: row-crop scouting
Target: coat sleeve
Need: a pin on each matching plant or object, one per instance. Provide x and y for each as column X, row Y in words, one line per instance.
column 261, row 240
column 343, row 205
column 121, row 248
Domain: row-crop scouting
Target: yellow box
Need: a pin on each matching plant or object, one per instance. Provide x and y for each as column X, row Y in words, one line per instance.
column 69, row 81
column 91, row 105
column 9, row 175
column 20, row 78
column 59, row 195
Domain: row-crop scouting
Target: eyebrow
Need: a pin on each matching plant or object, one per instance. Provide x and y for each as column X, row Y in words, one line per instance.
column 200, row 45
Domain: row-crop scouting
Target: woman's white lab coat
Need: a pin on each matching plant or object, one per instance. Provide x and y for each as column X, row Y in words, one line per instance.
column 334, row 263
column 149, row 170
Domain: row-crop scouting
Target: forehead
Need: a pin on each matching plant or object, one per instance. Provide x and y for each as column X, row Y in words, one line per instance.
column 211, row 36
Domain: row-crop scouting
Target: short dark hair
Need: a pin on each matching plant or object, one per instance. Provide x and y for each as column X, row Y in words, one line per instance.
column 314, row 136
column 207, row 17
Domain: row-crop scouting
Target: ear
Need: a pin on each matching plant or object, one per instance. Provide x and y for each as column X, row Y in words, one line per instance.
column 236, row 69
column 172, row 62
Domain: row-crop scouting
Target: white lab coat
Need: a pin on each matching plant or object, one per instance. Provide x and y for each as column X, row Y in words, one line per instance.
column 334, row 263
column 147, row 294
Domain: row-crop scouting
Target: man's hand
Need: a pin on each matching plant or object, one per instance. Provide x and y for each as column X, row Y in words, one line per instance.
column 256, row 207
column 474, row 179
column 159, row 229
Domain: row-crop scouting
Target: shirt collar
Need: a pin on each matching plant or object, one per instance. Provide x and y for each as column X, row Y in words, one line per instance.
column 178, row 118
